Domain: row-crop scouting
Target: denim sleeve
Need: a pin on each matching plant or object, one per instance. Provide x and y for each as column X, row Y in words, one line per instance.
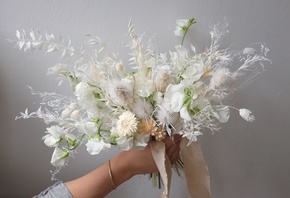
column 58, row 190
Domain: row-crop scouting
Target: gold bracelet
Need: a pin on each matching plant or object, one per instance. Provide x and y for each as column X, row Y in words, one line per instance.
column 111, row 175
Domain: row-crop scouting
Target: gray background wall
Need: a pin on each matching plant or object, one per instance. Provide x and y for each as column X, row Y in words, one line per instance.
column 245, row 160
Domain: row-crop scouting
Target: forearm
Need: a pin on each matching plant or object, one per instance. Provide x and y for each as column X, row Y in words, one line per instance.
column 98, row 183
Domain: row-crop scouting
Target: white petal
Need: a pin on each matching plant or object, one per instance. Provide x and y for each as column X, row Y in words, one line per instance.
column 171, row 89
column 50, row 141
column 125, row 143
column 59, row 157
column 184, row 114
column 95, row 146
column 88, row 128
column 182, row 52
column 177, row 101
column 141, row 140
column 182, row 22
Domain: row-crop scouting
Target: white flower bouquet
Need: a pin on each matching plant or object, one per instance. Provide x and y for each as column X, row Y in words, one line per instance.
column 160, row 94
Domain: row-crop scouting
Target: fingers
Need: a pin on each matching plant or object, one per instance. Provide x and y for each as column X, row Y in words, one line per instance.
column 174, row 140
column 172, row 148
column 174, row 156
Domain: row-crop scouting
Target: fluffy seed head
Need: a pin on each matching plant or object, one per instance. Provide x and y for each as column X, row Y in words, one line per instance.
column 247, row 115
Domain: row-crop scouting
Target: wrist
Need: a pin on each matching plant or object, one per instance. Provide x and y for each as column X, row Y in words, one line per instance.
column 120, row 168
column 141, row 162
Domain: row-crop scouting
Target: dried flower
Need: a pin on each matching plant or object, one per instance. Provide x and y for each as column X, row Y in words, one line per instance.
column 142, row 108
column 220, row 77
column 121, row 91
column 159, row 134
column 127, row 124
column 247, row 115
column 120, row 67
column 147, row 126
column 163, row 78
column 165, row 116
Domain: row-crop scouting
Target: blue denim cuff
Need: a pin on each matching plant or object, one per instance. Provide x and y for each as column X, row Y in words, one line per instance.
column 57, row 190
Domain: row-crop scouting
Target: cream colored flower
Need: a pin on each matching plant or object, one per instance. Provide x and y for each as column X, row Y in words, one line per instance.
column 127, row 124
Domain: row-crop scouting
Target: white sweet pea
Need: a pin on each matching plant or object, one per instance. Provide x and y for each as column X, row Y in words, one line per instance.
column 89, row 128
column 75, row 115
column 141, row 140
column 53, row 137
column 181, row 25
column 184, row 114
column 194, row 71
column 174, row 95
column 125, row 143
column 86, row 96
column 56, row 134
column 59, row 157
column 96, row 145
column 71, row 112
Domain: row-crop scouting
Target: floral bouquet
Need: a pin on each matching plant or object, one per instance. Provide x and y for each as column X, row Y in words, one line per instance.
column 161, row 94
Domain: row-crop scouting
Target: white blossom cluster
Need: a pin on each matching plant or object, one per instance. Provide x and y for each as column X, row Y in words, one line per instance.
column 179, row 92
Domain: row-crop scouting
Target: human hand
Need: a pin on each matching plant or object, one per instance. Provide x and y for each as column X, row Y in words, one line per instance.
column 123, row 166
column 172, row 148
column 142, row 161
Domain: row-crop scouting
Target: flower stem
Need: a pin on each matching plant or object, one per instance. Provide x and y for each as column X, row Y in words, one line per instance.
column 185, row 28
column 75, row 146
column 183, row 37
